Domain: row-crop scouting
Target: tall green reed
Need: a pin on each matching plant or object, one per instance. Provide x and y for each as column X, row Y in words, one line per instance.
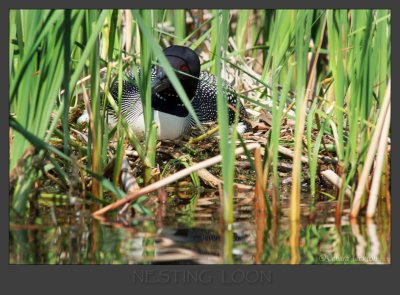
column 227, row 144
column 360, row 38
column 97, row 133
column 302, row 37
column 42, row 52
column 180, row 24
column 280, row 42
column 37, row 52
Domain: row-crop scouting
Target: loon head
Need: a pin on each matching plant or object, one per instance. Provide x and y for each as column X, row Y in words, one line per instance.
column 186, row 63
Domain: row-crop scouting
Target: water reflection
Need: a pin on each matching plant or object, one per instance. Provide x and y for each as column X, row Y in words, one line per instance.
column 191, row 233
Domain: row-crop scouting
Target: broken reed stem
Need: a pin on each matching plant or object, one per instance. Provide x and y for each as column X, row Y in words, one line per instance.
column 172, row 178
column 214, row 181
column 380, row 159
column 204, row 136
column 289, row 153
column 370, row 154
column 336, row 180
column 127, row 180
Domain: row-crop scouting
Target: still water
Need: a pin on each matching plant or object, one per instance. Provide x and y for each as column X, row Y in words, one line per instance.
column 183, row 232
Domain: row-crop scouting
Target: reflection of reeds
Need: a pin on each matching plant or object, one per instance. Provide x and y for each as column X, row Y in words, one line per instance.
column 261, row 224
column 294, row 242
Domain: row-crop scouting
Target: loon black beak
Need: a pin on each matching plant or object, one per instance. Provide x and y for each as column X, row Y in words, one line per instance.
column 160, row 82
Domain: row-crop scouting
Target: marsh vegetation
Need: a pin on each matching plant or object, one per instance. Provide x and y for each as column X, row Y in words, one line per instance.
column 313, row 170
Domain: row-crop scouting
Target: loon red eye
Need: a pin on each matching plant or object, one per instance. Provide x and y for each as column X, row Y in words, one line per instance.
column 184, row 68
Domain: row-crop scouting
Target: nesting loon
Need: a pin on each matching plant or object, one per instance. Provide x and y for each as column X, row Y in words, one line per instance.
column 170, row 114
